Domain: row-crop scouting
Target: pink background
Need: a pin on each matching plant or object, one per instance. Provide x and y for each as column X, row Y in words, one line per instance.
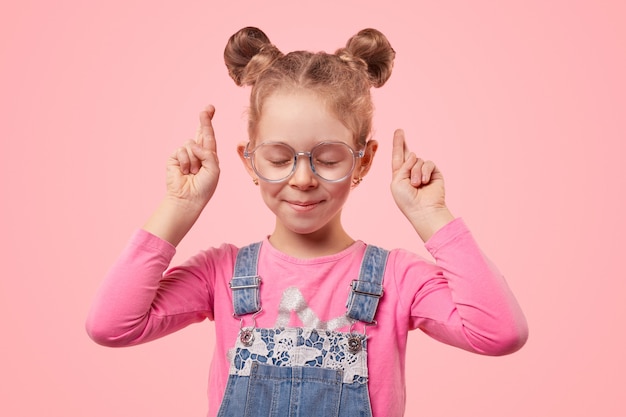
column 522, row 105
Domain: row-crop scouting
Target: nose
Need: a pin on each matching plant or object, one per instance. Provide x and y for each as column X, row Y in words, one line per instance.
column 303, row 176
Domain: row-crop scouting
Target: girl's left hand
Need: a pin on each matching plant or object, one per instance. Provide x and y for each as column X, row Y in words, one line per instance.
column 417, row 187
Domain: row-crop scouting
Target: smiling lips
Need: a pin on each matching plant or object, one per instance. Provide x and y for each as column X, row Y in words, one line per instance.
column 303, row 206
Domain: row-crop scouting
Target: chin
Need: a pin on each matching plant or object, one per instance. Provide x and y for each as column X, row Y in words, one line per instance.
column 304, row 230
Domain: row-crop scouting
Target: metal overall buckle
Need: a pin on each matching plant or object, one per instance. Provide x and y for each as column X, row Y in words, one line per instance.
column 355, row 339
column 246, row 334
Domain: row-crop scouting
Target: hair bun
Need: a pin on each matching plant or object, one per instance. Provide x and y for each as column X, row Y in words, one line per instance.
column 247, row 53
column 370, row 50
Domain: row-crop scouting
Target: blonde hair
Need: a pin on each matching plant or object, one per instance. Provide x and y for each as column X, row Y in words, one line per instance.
column 343, row 79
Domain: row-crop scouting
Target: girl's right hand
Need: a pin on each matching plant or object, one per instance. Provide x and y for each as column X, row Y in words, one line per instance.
column 193, row 169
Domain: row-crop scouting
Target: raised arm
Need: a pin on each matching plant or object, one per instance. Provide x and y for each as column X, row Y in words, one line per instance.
column 136, row 302
column 465, row 301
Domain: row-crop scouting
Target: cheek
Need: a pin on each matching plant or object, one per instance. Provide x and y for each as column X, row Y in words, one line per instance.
column 269, row 191
column 342, row 190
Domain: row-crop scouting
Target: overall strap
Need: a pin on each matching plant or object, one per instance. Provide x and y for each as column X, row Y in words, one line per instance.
column 365, row 293
column 245, row 282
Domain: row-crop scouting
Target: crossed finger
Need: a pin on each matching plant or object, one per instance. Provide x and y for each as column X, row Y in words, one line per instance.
column 399, row 150
column 206, row 135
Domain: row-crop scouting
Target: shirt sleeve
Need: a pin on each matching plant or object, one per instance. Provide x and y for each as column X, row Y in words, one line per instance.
column 140, row 300
column 462, row 300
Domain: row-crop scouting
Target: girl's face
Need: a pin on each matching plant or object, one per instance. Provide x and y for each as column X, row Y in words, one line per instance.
column 304, row 203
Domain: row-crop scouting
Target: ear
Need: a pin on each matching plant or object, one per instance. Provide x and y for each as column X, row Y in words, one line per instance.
column 241, row 147
column 366, row 161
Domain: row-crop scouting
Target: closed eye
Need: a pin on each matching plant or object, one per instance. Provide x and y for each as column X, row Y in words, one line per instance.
column 280, row 162
column 326, row 163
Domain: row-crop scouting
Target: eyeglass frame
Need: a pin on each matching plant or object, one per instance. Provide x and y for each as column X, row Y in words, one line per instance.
column 355, row 155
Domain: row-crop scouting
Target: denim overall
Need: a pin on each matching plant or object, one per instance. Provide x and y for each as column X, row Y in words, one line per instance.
column 299, row 372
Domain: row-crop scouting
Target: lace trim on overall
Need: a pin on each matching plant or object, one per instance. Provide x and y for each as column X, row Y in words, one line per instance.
column 301, row 347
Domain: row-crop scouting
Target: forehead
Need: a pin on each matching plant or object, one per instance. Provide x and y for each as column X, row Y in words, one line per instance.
column 301, row 119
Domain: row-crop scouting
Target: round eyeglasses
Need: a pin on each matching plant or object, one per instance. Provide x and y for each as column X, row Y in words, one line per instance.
column 276, row 161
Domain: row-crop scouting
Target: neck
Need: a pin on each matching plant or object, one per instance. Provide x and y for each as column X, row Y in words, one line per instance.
column 323, row 242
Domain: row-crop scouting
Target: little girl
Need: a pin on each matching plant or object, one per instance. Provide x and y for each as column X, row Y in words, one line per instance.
column 309, row 321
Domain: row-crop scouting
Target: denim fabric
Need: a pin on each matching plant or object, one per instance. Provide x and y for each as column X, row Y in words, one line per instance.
column 245, row 282
column 368, row 289
column 301, row 372
column 245, row 292
column 274, row 391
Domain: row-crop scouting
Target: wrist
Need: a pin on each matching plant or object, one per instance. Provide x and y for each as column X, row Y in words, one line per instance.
column 182, row 205
column 428, row 221
column 173, row 218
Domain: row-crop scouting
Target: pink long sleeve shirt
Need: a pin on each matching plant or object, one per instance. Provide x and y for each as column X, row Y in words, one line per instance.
column 461, row 299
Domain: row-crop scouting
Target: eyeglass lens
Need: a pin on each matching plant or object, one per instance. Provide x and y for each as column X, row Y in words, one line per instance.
column 276, row 161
